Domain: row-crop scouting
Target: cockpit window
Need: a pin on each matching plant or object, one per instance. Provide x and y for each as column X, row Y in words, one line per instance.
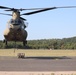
column 15, row 22
column 19, row 21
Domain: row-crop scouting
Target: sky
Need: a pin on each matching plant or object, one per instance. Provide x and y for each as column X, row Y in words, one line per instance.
column 58, row 23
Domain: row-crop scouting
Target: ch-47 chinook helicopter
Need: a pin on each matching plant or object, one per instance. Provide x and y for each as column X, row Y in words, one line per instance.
column 16, row 26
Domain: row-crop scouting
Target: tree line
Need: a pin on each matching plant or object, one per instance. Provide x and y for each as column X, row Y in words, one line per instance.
column 65, row 43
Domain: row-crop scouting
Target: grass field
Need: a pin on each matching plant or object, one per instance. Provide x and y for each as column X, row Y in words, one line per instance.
column 28, row 52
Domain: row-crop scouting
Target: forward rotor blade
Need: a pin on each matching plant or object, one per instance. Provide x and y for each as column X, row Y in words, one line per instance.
column 45, row 9
column 12, row 9
column 11, row 15
column 6, row 14
column 22, row 18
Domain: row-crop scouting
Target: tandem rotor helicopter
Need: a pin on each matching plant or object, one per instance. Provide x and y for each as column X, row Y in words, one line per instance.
column 16, row 26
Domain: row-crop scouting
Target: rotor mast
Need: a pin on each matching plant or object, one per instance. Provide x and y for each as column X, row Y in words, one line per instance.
column 16, row 14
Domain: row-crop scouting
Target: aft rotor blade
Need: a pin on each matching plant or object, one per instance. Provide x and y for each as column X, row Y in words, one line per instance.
column 3, row 7
column 6, row 14
column 31, row 9
column 67, row 7
column 45, row 9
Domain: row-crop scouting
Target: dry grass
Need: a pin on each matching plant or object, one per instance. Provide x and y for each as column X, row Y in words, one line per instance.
column 10, row 52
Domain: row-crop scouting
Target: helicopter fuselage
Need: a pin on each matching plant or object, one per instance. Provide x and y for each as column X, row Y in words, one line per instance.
column 15, row 30
column 15, row 35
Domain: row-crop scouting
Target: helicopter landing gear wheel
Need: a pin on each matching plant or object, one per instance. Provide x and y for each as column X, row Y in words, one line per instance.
column 5, row 41
column 24, row 43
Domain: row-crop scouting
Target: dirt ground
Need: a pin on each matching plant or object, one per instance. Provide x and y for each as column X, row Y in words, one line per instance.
column 39, row 73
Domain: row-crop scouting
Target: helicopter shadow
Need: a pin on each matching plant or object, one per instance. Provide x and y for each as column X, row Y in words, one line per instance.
column 48, row 57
